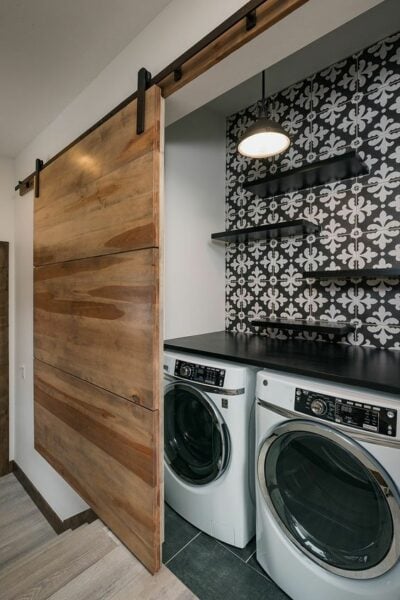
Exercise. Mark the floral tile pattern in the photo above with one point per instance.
(353, 104)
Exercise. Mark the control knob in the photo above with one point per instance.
(318, 407)
(185, 371)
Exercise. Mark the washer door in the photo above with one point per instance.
(196, 440)
(331, 498)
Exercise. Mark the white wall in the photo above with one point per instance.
(194, 208)
(7, 182)
(178, 27)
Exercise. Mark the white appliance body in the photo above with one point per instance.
(288, 554)
(209, 477)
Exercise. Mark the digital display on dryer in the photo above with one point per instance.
(357, 416)
(376, 419)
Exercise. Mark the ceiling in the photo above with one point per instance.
(51, 49)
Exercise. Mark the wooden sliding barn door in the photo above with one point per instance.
(97, 256)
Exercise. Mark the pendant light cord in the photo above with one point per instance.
(263, 101)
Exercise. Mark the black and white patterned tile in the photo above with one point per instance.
(353, 104)
(379, 64)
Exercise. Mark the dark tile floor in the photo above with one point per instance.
(211, 569)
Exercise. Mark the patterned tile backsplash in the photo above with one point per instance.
(352, 104)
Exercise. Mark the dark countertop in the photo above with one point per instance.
(352, 365)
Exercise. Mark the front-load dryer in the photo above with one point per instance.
(209, 444)
(327, 489)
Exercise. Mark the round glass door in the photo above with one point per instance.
(196, 443)
(332, 499)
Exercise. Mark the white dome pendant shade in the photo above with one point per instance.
(265, 137)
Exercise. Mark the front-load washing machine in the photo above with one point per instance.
(327, 489)
(209, 445)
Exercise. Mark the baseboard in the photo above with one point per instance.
(87, 516)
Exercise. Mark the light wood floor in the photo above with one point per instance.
(87, 563)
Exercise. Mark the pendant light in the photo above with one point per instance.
(266, 137)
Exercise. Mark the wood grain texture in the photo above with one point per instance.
(59, 562)
(86, 564)
(268, 14)
(97, 319)
(22, 526)
(112, 214)
(103, 579)
(4, 361)
(163, 586)
(112, 145)
(107, 448)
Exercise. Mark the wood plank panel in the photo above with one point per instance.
(4, 361)
(98, 319)
(105, 149)
(113, 214)
(107, 448)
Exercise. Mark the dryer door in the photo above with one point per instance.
(196, 439)
(331, 498)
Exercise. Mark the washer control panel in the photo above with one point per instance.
(200, 373)
(359, 415)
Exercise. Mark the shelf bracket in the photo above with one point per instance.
(38, 168)
(251, 20)
(144, 81)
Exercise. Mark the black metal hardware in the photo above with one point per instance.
(24, 185)
(38, 168)
(335, 328)
(178, 74)
(267, 232)
(383, 273)
(251, 20)
(344, 166)
(144, 80)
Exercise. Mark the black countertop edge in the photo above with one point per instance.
(359, 366)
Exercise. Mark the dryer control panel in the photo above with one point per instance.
(376, 419)
(200, 373)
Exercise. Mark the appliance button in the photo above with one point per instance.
(318, 407)
(390, 414)
(185, 371)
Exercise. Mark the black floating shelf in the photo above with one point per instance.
(299, 325)
(354, 274)
(266, 232)
(338, 168)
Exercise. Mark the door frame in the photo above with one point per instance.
(4, 364)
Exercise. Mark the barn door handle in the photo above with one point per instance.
(144, 81)
(38, 168)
